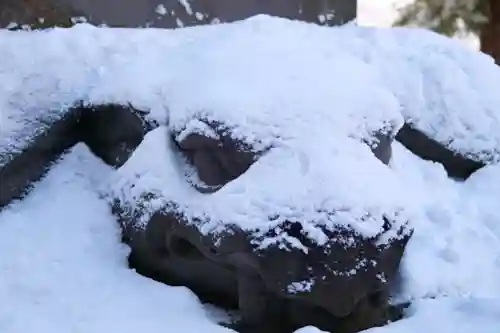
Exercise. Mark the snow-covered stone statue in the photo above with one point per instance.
(252, 161)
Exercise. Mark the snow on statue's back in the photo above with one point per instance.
(302, 111)
(277, 61)
(297, 86)
(446, 91)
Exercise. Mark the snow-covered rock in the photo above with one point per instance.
(333, 242)
(37, 139)
(314, 107)
(64, 268)
(448, 94)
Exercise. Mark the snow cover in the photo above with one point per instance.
(62, 264)
(447, 315)
(64, 268)
(188, 74)
(455, 249)
(452, 95)
(159, 69)
(361, 198)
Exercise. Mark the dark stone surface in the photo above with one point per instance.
(111, 131)
(162, 254)
(347, 278)
(456, 165)
(382, 149)
(381, 146)
(36, 13)
(30, 164)
(229, 271)
(134, 13)
(217, 161)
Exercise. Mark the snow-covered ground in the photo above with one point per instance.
(62, 266)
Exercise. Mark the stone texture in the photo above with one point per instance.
(490, 33)
(217, 161)
(36, 13)
(456, 165)
(111, 131)
(340, 287)
(30, 164)
(171, 13)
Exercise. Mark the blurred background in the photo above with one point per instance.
(379, 12)
(384, 13)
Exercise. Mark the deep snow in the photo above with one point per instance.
(62, 266)
(455, 249)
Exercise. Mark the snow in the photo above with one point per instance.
(452, 96)
(63, 268)
(156, 168)
(61, 261)
(300, 287)
(161, 10)
(455, 249)
(196, 126)
(309, 329)
(446, 315)
(179, 23)
(123, 65)
(199, 16)
(187, 6)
